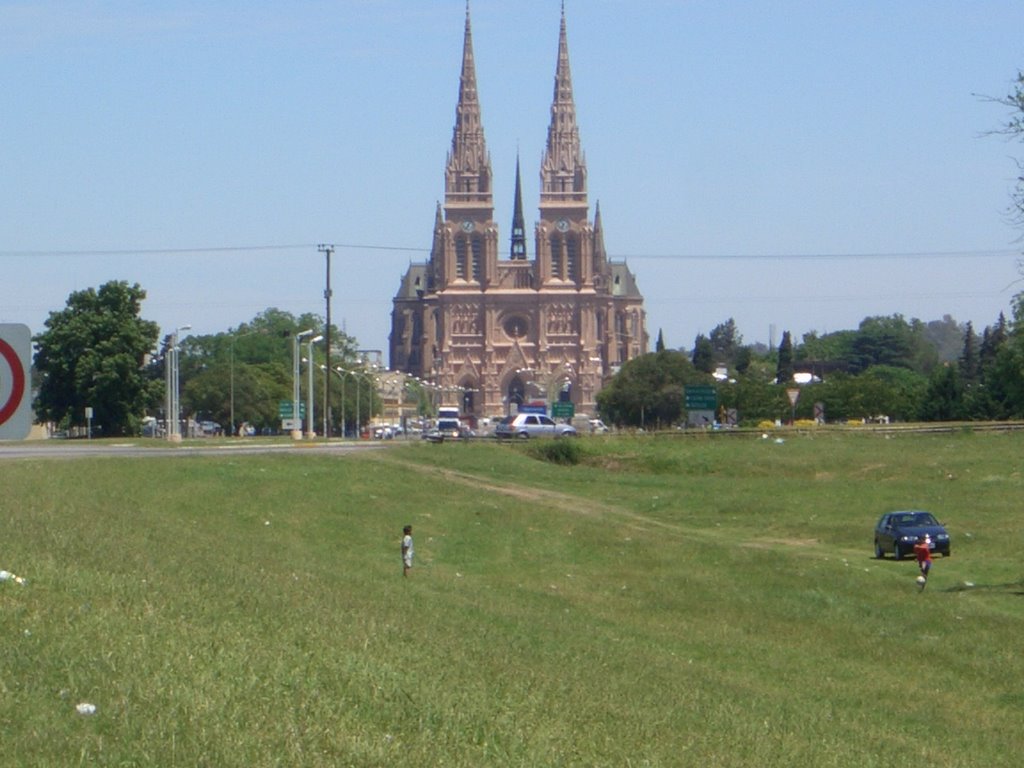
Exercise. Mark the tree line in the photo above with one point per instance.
(99, 353)
(903, 370)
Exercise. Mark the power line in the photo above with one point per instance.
(975, 254)
(980, 253)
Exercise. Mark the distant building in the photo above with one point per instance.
(491, 333)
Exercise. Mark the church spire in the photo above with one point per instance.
(518, 252)
(563, 170)
(468, 174)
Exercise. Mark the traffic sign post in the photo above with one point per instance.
(15, 381)
(794, 395)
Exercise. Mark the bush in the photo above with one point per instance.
(564, 450)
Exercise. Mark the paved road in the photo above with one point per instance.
(63, 449)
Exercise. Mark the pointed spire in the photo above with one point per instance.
(563, 171)
(468, 177)
(600, 254)
(518, 252)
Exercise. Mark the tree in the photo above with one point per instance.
(648, 390)
(944, 398)
(1013, 128)
(784, 369)
(970, 365)
(725, 341)
(92, 354)
(744, 355)
(703, 354)
(241, 375)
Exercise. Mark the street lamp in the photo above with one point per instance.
(173, 404)
(310, 429)
(341, 374)
(296, 411)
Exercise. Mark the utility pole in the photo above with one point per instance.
(327, 250)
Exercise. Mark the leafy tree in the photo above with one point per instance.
(835, 348)
(725, 341)
(754, 394)
(1006, 377)
(92, 354)
(744, 356)
(245, 372)
(891, 340)
(703, 354)
(946, 336)
(648, 390)
(943, 400)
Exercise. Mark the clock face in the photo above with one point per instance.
(562, 225)
(467, 226)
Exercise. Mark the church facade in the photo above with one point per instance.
(490, 329)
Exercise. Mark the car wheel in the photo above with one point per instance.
(897, 553)
(523, 435)
(879, 552)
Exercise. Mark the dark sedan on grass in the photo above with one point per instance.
(897, 532)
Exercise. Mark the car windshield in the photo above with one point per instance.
(915, 519)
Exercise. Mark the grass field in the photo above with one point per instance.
(665, 602)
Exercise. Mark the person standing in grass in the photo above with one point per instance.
(923, 551)
(407, 551)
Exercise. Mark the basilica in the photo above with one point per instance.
(490, 327)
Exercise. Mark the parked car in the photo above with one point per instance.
(525, 425)
(897, 532)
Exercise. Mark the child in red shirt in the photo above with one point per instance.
(923, 550)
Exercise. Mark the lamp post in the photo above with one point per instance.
(341, 374)
(296, 410)
(234, 338)
(310, 428)
(326, 408)
(173, 404)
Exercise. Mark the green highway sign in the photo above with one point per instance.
(700, 398)
(285, 408)
(560, 410)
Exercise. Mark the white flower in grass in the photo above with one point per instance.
(85, 708)
(5, 575)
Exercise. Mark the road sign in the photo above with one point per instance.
(794, 395)
(290, 425)
(285, 409)
(538, 408)
(700, 397)
(15, 381)
(560, 410)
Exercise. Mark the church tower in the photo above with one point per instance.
(563, 235)
(492, 334)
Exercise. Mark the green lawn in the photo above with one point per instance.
(666, 602)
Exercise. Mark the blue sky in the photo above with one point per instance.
(793, 165)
